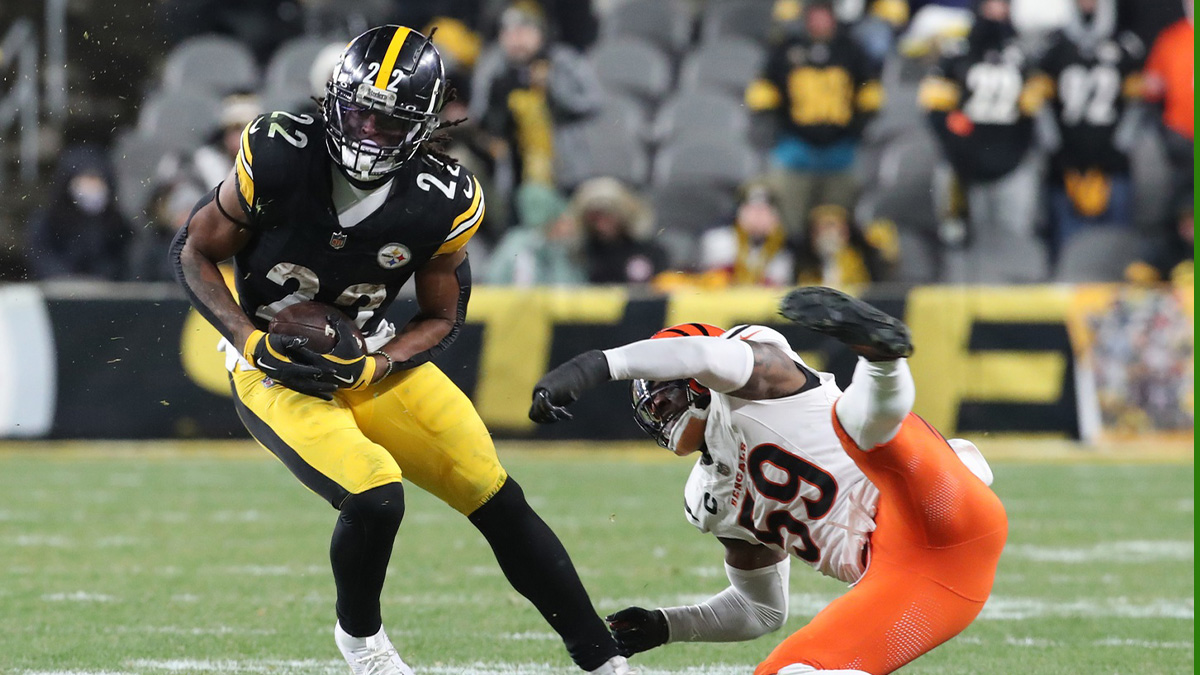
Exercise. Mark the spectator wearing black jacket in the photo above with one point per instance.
(80, 234)
(981, 99)
(616, 228)
(1093, 73)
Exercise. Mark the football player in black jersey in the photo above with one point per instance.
(344, 210)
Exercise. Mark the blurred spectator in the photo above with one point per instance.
(1094, 76)
(168, 209)
(544, 250)
(1171, 82)
(753, 250)
(821, 88)
(833, 252)
(81, 233)
(616, 226)
(530, 95)
(211, 162)
(872, 23)
(1172, 256)
(981, 101)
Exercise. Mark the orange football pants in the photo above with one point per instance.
(938, 536)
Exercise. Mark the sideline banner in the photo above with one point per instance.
(132, 361)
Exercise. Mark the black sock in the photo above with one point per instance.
(360, 550)
(538, 567)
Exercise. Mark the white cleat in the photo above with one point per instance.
(973, 458)
(617, 665)
(373, 655)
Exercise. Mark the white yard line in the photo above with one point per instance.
(1117, 551)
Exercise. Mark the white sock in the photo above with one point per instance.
(877, 401)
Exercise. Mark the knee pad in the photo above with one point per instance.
(381, 506)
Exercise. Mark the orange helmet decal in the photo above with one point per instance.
(689, 330)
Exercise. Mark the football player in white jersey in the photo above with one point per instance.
(853, 484)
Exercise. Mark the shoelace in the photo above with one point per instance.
(379, 662)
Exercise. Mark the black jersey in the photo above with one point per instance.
(1091, 91)
(823, 92)
(299, 250)
(985, 133)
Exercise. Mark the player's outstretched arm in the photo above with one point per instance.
(756, 603)
(443, 287)
(741, 368)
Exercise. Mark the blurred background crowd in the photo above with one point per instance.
(666, 143)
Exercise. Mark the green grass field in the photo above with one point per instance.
(153, 559)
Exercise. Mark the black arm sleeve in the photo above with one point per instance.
(175, 254)
(463, 274)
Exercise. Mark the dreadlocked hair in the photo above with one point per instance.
(436, 146)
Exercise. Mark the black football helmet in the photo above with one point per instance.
(382, 101)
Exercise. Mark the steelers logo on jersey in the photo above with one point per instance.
(393, 255)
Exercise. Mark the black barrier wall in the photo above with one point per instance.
(987, 360)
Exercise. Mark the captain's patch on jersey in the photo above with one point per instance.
(393, 255)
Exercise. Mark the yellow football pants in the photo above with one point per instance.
(417, 424)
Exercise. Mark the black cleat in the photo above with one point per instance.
(869, 332)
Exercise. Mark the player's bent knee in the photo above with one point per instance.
(378, 507)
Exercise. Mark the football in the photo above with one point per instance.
(312, 320)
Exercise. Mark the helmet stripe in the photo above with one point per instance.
(389, 59)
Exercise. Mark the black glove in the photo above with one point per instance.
(347, 365)
(638, 630)
(273, 354)
(563, 385)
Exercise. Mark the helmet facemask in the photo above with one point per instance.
(376, 124)
(660, 407)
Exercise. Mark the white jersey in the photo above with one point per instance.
(776, 474)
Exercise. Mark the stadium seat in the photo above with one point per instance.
(1098, 254)
(1151, 171)
(210, 62)
(181, 120)
(998, 258)
(291, 65)
(725, 162)
(901, 184)
(665, 23)
(692, 207)
(701, 114)
(135, 158)
(634, 67)
(750, 19)
(727, 66)
(918, 259)
(612, 151)
(628, 110)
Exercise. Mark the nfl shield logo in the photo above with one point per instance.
(338, 240)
